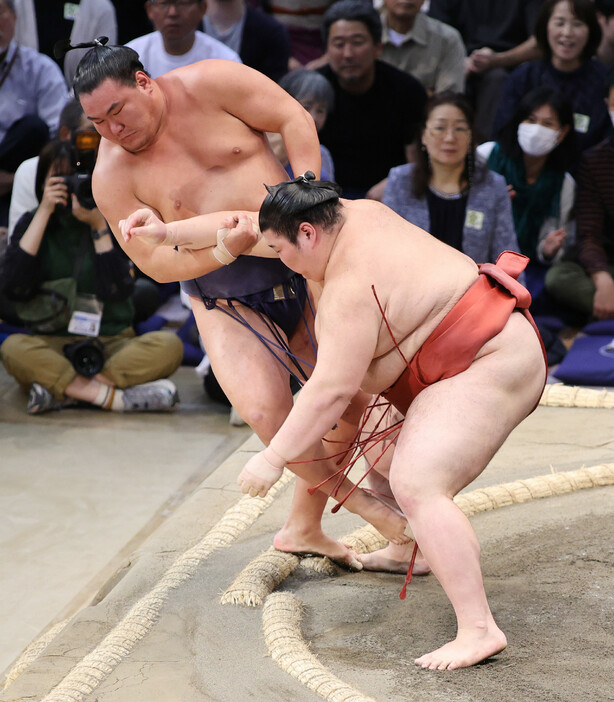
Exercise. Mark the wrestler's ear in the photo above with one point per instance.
(142, 80)
(307, 235)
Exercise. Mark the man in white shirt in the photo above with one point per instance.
(177, 41)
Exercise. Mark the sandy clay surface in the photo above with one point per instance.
(551, 589)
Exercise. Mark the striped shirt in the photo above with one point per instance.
(595, 207)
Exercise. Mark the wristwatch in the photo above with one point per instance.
(99, 233)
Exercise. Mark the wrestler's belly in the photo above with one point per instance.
(517, 341)
(385, 369)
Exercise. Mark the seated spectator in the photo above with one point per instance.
(32, 94)
(79, 133)
(378, 108)
(177, 40)
(485, 58)
(568, 34)
(132, 20)
(446, 193)
(316, 95)
(585, 282)
(62, 239)
(260, 40)
(40, 24)
(23, 198)
(433, 52)
(534, 151)
(497, 37)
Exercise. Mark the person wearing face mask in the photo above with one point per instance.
(568, 34)
(533, 153)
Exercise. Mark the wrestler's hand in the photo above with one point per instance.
(258, 476)
(243, 234)
(144, 224)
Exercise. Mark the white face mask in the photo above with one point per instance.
(537, 140)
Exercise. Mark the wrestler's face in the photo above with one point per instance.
(447, 136)
(292, 255)
(123, 114)
(351, 55)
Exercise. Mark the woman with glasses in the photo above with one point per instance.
(446, 193)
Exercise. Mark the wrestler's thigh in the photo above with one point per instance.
(256, 384)
(454, 427)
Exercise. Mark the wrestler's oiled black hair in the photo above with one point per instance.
(303, 199)
(119, 63)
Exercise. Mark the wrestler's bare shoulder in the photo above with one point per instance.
(209, 83)
(113, 167)
(372, 232)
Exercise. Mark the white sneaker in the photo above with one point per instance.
(235, 419)
(157, 396)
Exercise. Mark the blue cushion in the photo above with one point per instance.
(588, 362)
(601, 327)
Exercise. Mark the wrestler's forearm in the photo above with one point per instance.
(200, 232)
(303, 146)
(165, 265)
(314, 414)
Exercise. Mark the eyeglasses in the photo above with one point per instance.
(165, 4)
(439, 131)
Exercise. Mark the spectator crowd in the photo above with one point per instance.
(486, 123)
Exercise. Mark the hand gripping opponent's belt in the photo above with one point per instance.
(479, 315)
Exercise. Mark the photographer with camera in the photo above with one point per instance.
(73, 289)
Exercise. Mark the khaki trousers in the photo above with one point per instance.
(129, 359)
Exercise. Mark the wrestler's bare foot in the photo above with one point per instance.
(390, 524)
(315, 542)
(395, 559)
(468, 648)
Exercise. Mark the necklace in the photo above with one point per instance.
(447, 196)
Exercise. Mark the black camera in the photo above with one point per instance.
(83, 151)
(81, 185)
(86, 356)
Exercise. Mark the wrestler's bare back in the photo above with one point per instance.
(414, 303)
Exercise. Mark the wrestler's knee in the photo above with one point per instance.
(265, 421)
(411, 493)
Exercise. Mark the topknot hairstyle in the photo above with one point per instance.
(303, 199)
(119, 63)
